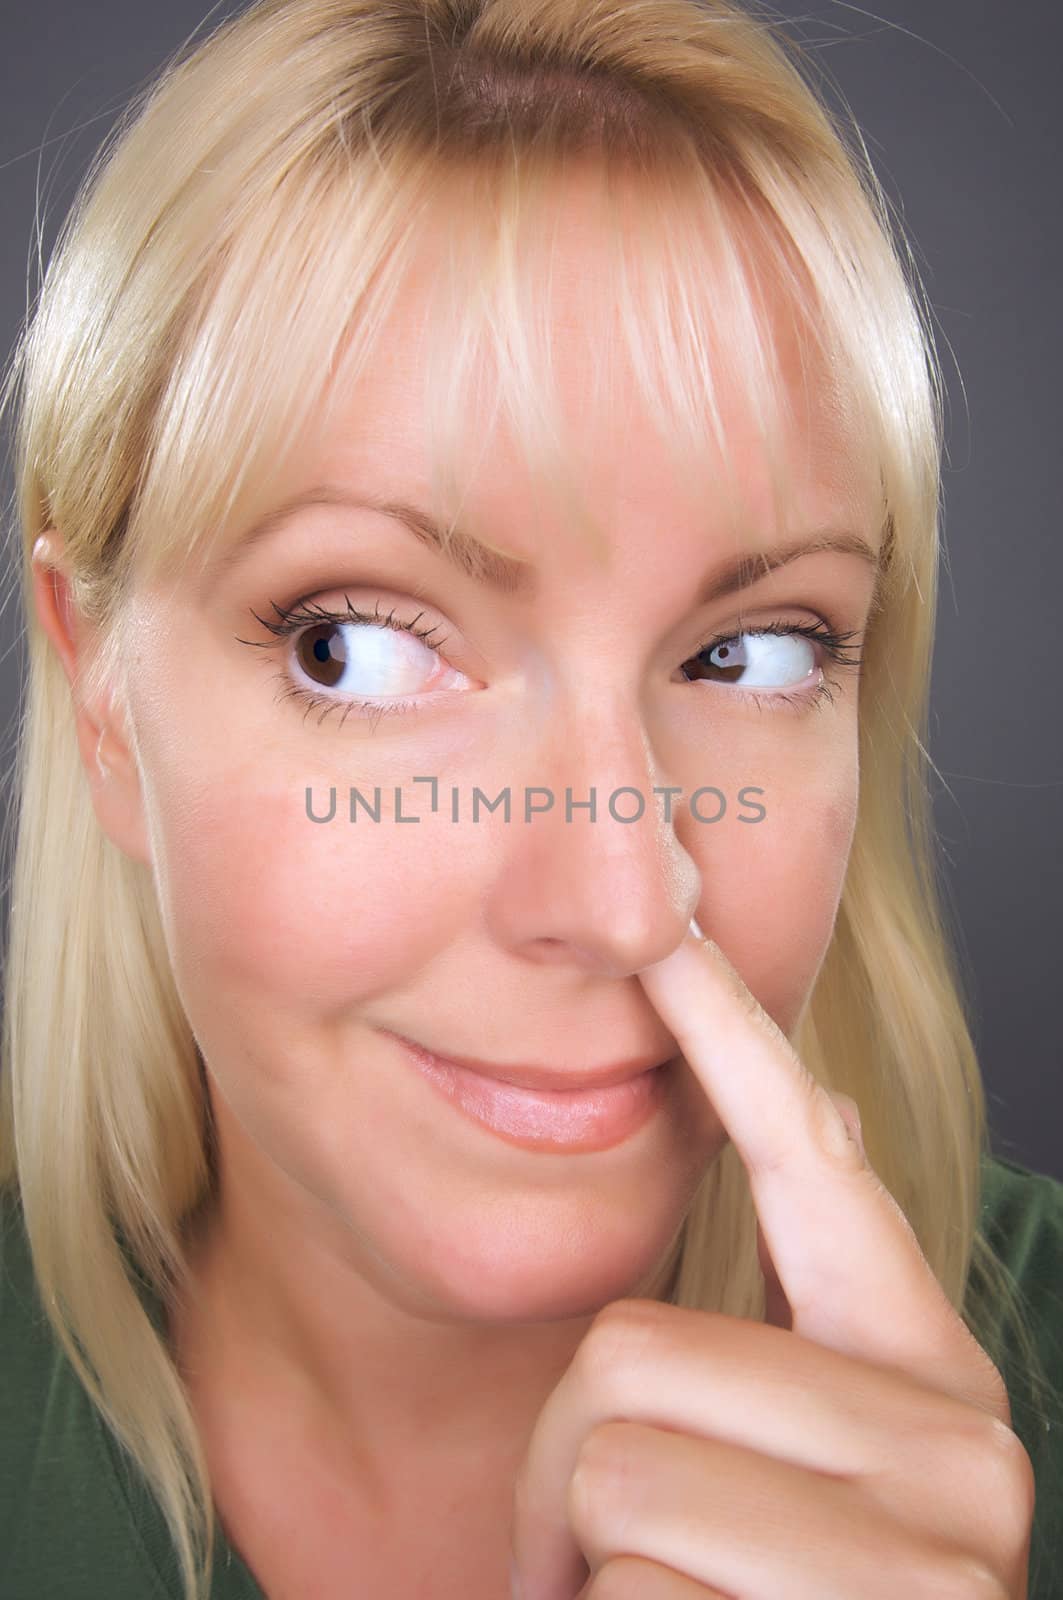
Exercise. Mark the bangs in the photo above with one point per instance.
(722, 308)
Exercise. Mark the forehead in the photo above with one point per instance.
(478, 334)
(375, 433)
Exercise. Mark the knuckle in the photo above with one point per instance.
(616, 1342)
(1010, 1486)
(830, 1132)
(993, 1476)
(601, 1477)
(954, 1575)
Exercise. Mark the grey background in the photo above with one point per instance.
(958, 101)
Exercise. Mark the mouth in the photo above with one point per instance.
(577, 1111)
(546, 1079)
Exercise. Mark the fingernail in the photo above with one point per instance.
(679, 954)
(515, 1590)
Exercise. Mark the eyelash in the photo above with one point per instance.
(305, 614)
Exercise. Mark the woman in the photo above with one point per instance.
(406, 1181)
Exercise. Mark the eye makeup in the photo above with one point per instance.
(296, 621)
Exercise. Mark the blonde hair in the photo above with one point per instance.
(220, 280)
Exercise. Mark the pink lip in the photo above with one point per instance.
(569, 1118)
(547, 1079)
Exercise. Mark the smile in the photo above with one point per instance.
(564, 1119)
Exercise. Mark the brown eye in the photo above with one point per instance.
(782, 659)
(320, 654)
(369, 657)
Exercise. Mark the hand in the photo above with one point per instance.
(855, 1446)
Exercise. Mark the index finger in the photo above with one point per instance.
(845, 1253)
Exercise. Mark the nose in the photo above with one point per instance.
(598, 875)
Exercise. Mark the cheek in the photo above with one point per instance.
(268, 912)
(271, 917)
(772, 888)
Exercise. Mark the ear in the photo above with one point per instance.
(104, 742)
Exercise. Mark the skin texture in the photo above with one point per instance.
(366, 1228)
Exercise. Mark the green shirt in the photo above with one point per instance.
(76, 1520)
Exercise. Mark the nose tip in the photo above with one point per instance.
(608, 886)
(615, 950)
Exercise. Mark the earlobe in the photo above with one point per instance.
(114, 780)
(117, 800)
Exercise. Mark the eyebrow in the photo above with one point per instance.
(508, 575)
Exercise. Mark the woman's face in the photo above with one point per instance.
(301, 948)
